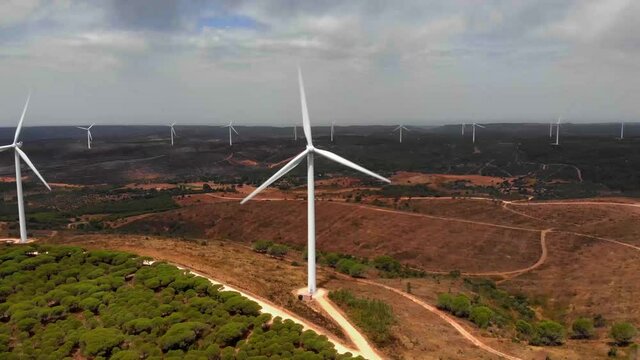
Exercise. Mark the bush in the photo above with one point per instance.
(357, 270)
(332, 259)
(262, 246)
(229, 334)
(548, 333)
(582, 328)
(387, 263)
(444, 301)
(460, 306)
(100, 341)
(351, 267)
(623, 333)
(278, 250)
(373, 316)
(524, 328)
(481, 316)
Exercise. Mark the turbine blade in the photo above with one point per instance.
(306, 124)
(347, 163)
(234, 129)
(397, 128)
(173, 132)
(172, 125)
(90, 126)
(90, 137)
(480, 126)
(19, 128)
(405, 128)
(285, 169)
(5, 147)
(82, 128)
(33, 168)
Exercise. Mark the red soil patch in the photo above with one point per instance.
(404, 177)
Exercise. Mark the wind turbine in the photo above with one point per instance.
(309, 153)
(473, 127)
(550, 130)
(400, 127)
(463, 125)
(333, 123)
(557, 132)
(18, 153)
(89, 137)
(230, 126)
(173, 132)
(622, 131)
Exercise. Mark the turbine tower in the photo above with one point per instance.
(173, 132)
(550, 130)
(89, 137)
(622, 131)
(333, 123)
(309, 153)
(463, 125)
(473, 127)
(557, 132)
(295, 132)
(18, 153)
(230, 126)
(400, 127)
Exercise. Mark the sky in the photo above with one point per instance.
(417, 62)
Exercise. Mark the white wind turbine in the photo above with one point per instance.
(309, 153)
(550, 130)
(400, 127)
(173, 132)
(622, 131)
(18, 153)
(473, 127)
(230, 126)
(557, 132)
(463, 126)
(333, 123)
(89, 137)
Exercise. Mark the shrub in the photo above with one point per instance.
(582, 328)
(100, 341)
(262, 246)
(387, 263)
(277, 250)
(524, 328)
(623, 333)
(548, 333)
(332, 259)
(92, 304)
(460, 306)
(444, 301)
(357, 270)
(481, 316)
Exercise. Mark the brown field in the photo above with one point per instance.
(429, 243)
(404, 178)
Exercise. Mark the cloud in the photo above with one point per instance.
(413, 60)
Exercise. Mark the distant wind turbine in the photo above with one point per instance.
(622, 131)
(473, 127)
(230, 126)
(295, 132)
(18, 153)
(463, 125)
(333, 123)
(173, 132)
(89, 137)
(557, 132)
(400, 127)
(550, 130)
(309, 153)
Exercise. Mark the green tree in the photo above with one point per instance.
(548, 333)
(481, 316)
(278, 250)
(623, 333)
(582, 328)
(460, 306)
(445, 301)
(262, 246)
(100, 341)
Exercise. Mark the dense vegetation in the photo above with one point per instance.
(374, 317)
(63, 302)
